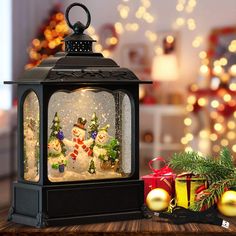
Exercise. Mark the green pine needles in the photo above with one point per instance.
(219, 172)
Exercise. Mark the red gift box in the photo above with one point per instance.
(160, 178)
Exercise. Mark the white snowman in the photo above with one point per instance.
(30, 144)
(81, 155)
(99, 149)
(56, 160)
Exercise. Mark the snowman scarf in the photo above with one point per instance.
(80, 143)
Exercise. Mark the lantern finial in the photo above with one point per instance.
(78, 42)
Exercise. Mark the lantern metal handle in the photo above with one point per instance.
(78, 27)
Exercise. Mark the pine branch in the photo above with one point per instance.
(226, 158)
(211, 195)
(211, 168)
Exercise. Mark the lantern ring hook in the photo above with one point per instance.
(78, 27)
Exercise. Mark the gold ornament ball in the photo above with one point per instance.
(227, 203)
(158, 199)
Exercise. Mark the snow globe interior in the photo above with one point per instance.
(89, 135)
(31, 137)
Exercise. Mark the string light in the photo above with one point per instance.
(187, 121)
(202, 55)
(197, 41)
(151, 35)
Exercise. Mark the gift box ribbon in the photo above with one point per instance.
(166, 170)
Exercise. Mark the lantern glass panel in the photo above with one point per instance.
(89, 135)
(31, 137)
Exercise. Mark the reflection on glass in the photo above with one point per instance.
(31, 137)
(89, 135)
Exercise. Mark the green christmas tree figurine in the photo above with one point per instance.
(56, 132)
(92, 168)
(93, 127)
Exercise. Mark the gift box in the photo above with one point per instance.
(159, 178)
(186, 188)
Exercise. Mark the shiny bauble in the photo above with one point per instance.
(227, 203)
(158, 199)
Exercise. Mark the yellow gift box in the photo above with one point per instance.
(186, 186)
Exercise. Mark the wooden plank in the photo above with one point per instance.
(154, 226)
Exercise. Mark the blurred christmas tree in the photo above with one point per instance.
(48, 40)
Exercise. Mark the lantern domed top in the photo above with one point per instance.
(78, 42)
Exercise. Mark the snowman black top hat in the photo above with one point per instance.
(81, 123)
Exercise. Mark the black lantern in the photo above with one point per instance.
(78, 139)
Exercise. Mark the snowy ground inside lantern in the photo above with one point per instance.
(73, 176)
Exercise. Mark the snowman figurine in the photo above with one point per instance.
(30, 144)
(100, 148)
(56, 160)
(81, 155)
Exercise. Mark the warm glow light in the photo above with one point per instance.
(184, 141)
(233, 70)
(124, 11)
(218, 127)
(191, 99)
(216, 148)
(119, 28)
(213, 114)
(194, 87)
(227, 97)
(224, 142)
(180, 21)
(188, 149)
(165, 68)
(179, 7)
(189, 136)
(151, 35)
(191, 24)
(158, 50)
(215, 103)
(187, 121)
(232, 46)
(146, 3)
(231, 124)
(202, 54)
(223, 61)
(189, 107)
(201, 102)
(197, 41)
(91, 30)
(170, 39)
(106, 53)
(218, 70)
(232, 86)
(98, 47)
(213, 137)
(204, 134)
(231, 135)
(234, 148)
(204, 69)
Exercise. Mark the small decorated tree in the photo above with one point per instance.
(56, 132)
(93, 127)
(92, 168)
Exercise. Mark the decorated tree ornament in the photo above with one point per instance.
(92, 168)
(227, 203)
(158, 199)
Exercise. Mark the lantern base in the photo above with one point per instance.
(57, 205)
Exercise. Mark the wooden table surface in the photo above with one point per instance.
(154, 226)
